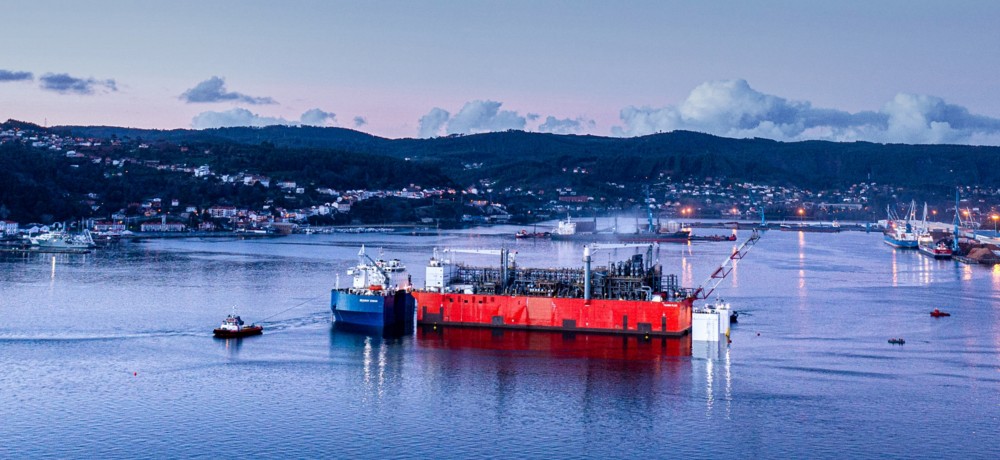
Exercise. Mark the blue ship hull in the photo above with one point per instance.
(903, 244)
(391, 312)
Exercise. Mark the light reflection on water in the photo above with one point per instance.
(809, 357)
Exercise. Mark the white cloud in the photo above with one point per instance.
(732, 108)
(566, 125)
(431, 124)
(66, 84)
(317, 117)
(475, 117)
(243, 117)
(16, 75)
(483, 117)
(214, 90)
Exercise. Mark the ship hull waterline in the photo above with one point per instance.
(899, 244)
(390, 311)
(597, 316)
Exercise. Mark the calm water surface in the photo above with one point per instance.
(110, 355)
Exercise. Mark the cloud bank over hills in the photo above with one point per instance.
(483, 116)
(728, 108)
(731, 108)
(242, 117)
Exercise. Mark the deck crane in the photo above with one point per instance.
(708, 287)
(383, 276)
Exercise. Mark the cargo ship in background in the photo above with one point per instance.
(669, 232)
(900, 233)
(833, 227)
(630, 297)
(373, 301)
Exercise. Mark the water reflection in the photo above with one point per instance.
(232, 346)
(596, 376)
(379, 354)
(711, 368)
(894, 267)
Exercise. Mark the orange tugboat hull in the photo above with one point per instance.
(243, 332)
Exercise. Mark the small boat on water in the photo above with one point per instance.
(939, 314)
(234, 327)
(897, 341)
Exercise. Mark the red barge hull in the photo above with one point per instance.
(605, 316)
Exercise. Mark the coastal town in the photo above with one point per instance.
(483, 203)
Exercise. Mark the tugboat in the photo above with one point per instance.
(233, 327)
(939, 314)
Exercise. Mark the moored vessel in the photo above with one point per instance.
(811, 228)
(939, 250)
(631, 297)
(926, 243)
(524, 234)
(901, 236)
(900, 232)
(372, 301)
(59, 241)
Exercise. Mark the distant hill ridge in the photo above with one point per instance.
(534, 159)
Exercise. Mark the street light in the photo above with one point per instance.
(802, 214)
(994, 217)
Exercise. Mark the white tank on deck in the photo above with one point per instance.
(710, 323)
